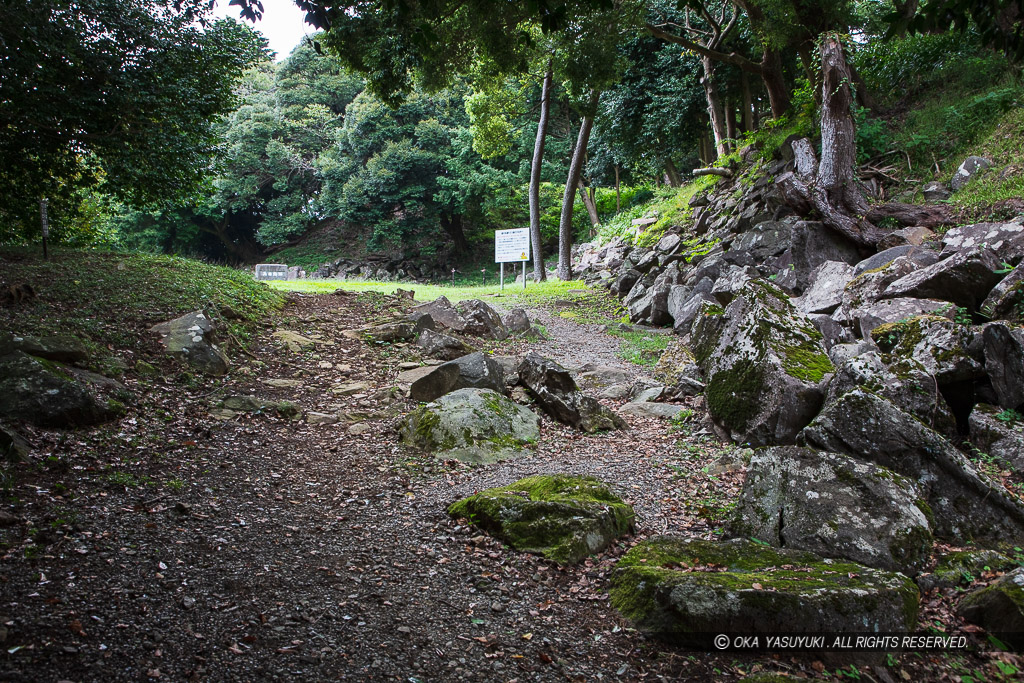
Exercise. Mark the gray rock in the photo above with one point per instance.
(556, 392)
(60, 348)
(732, 281)
(476, 370)
(472, 425)
(44, 394)
(647, 394)
(998, 608)
(482, 320)
(936, 191)
(765, 240)
(649, 304)
(442, 346)
(832, 333)
(625, 282)
(961, 567)
(442, 312)
(763, 364)
(244, 404)
(685, 315)
(509, 368)
(913, 236)
(936, 345)
(966, 506)
(813, 244)
(841, 353)
(966, 278)
(912, 390)
(868, 287)
(1005, 240)
(967, 171)
(999, 434)
(655, 586)
(865, 319)
(919, 256)
(663, 411)
(191, 338)
(825, 289)
(13, 446)
(1006, 297)
(669, 244)
(835, 506)
(1004, 363)
(516, 320)
(593, 376)
(561, 517)
(389, 333)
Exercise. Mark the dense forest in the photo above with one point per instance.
(416, 129)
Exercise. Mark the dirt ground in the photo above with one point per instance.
(178, 545)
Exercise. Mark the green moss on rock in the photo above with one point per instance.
(561, 517)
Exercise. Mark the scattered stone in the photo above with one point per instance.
(1004, 301)
(914, 236)
(477, 370)
(593, 376)
(835, 506)
(13, 446)
(867, 318)
(664, 411)
(315, 418)
(482, 320)
(936, 191)
(825, 292)
(753, 587)
(472, 425)
(998, 608)
(968, 170)
(443, 313)
(294, 341)
(359, 428)
(516, 320)
(408, 365)
(556, 392)
(282, 383)
(389, 333)
(191, 338)
(350, 389)
(965, 505)
(966, 278)
(442, 346)
(919, 256)
(564, 518)
(60, 348)
(243, 404)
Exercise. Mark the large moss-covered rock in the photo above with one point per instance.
(472, 425)
(47, 395)
(999, 608)
(934, 344)
(963, 567)
(966, 505)
(763, 363)
(59, 348)
(833, 505)
(679, 590)
(561, 517)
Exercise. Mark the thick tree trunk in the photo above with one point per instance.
(715, 114)
(748, 104)
(830, 188)
(774, 82)
(452, 225)
(575, 171)
(539, 271)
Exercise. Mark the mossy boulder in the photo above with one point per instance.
(998, 608)
(763, 363)
(912, 389)
(47, 394)
(682, 590)
(59, 348)
(929, 343)
(966, 505)
(192, 338)
(472, 425)
(835, 506)
(963, 567)
(564, 518)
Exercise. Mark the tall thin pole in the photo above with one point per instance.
(45, 221)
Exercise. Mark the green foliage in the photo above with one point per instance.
(640, 347)
(123, 93)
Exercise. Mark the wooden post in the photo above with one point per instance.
(45, 221)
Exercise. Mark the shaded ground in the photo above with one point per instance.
(177, 546)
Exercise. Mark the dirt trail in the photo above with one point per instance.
(298, 551)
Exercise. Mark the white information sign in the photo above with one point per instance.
(511, 245)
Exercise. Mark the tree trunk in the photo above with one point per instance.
(453, 226)
(674, 179)
(714, 106)
(830, 187)
(588, 203)
(774, 82)
(575, 171)
(618, 192)
(747, 120)
(539, 271)
(730, 120)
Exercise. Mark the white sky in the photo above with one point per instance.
(282, 23)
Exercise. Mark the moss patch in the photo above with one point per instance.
(561, 517)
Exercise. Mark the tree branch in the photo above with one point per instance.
(727, 57)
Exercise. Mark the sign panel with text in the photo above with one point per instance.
(512, 245)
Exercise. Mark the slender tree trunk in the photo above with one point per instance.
(774, 82)
(618, 192)
(714, 105)
(575, 171)
(591, 207)
(539, 271)
(730, 120)
(748, 104)
(674, 179)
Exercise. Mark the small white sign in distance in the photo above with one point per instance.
(511, 245)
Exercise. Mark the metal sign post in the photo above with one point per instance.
(511, 246)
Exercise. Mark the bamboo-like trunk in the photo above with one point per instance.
(539, 271)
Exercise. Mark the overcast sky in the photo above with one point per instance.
(282, 24)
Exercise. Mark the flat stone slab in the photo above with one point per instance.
(665, 411)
